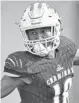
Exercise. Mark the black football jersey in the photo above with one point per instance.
(51, 78)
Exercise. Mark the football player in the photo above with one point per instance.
(43, 73)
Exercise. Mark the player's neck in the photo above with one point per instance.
(52, 54)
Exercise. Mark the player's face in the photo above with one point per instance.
(39, 33)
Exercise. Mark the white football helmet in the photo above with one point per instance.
(40, 15)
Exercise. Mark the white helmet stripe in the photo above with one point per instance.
(36, 11)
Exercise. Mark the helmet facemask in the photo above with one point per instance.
(41, 41)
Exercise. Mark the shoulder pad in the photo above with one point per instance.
(43, 65)
(15, 63)
(67, 45)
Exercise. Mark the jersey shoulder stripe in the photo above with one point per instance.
(15, 63)
(11, 74)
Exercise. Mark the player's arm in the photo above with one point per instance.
(12, 76)
(76, 59)
(9, 83)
